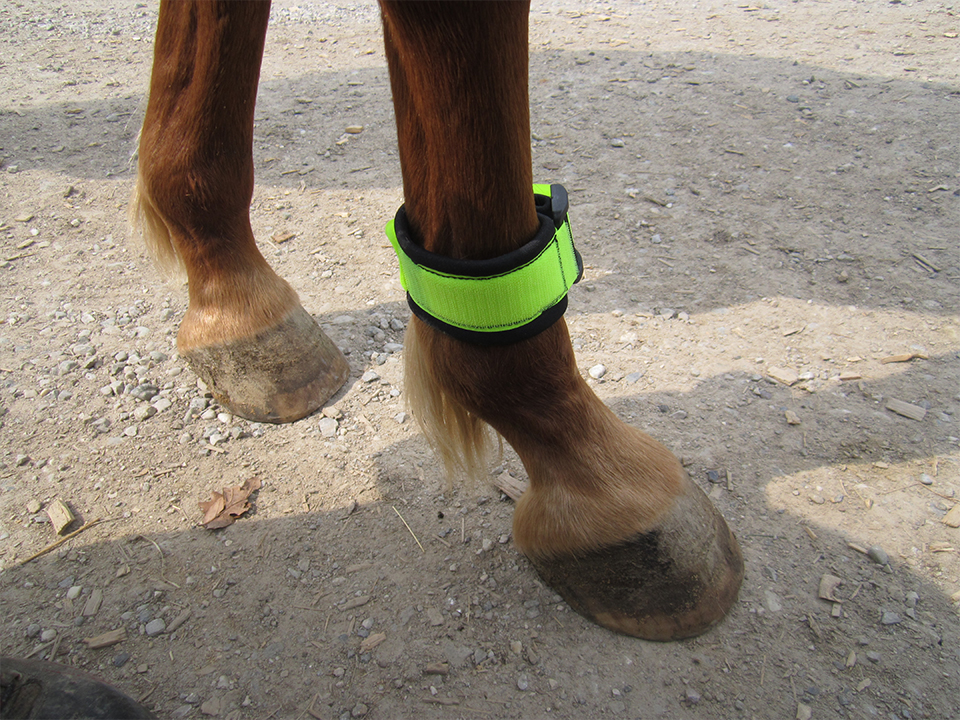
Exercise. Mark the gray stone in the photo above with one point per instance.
(155, 627)
(145, 391)
(890, 618)
(328, 427)
(144, 412)
(597, 371)
(878, 555)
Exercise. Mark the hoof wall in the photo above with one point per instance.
(673, 582)
(39, 689)
(280, 375)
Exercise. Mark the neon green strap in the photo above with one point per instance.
(502, 295)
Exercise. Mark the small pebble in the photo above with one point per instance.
(74, 592)
(328, 427)
(144, 412)
(890, 618)
(523, 682)
(155, 627)
(369, 376)
(926, 479)
(48, 635)
(33, 506)
(597, 371)
(878, 555)
(33, 629)
(912, 599)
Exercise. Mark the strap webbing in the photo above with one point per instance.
(496, 301)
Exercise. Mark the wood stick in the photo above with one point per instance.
(408, 528)
(61, 541)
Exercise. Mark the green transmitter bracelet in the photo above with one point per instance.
(497, 301)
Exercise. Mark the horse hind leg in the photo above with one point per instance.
(610, 520)
(245, 333)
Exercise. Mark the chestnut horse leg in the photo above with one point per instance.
(610, 520)
(245, 332)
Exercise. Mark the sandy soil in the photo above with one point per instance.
(766, 197)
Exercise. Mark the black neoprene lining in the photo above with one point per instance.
(472, 268)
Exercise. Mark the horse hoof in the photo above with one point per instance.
(279, 375)
(672, 582)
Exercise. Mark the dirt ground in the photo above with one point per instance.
(767, 198)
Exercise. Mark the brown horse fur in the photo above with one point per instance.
(195, 179)
(593, 480)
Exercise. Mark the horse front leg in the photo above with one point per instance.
(610, 520)
(245, 333)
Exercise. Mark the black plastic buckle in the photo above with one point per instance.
(555, 206)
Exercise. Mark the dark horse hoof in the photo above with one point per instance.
(49, 691)
(673, 582)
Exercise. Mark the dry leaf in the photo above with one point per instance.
(223, 509)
